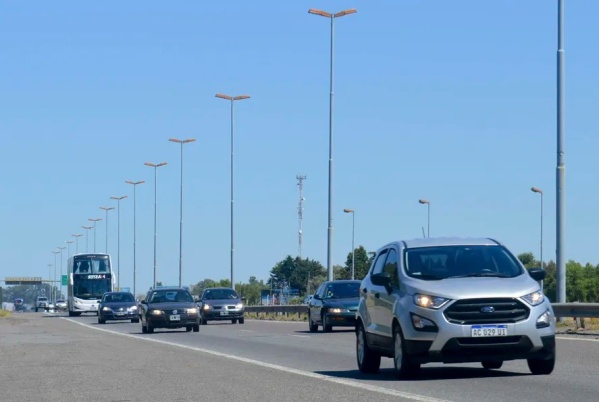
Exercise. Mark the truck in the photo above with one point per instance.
(41, 303)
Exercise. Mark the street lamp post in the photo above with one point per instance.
(76, 236)
(49, 280)
(332, 17)
(560, 172)
(155, 166)
(54, 287)
(106, 209)
(134, 183)
(353, 230)
(87, 228)
(94, 220)
(60, 291)
(118, 237)
(69, 242)
(232, 99)
(428, 205)
(539, 191)
(182, 142)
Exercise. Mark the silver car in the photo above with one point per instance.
(452, 300)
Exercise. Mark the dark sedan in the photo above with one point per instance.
(169, 307)
(221, 304)
(117, 306)
(334, 305)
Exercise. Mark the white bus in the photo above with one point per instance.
(89, 277)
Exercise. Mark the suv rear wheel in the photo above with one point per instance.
(368, 360)
(404, 366)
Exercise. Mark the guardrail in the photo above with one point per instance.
(561, 310)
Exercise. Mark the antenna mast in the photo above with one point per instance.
(300, 210)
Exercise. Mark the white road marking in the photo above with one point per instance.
(300, 336)
(576, 339)
(340, 381)
(246, 330)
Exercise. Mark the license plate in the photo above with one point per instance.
(120, 313)
(175, 317)
(478, 331)
(224, 313)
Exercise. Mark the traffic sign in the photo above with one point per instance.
(65, 280)
(23, 280)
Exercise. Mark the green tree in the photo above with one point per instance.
(362, 264)
(298, 273)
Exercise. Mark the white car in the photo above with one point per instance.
(61, 304)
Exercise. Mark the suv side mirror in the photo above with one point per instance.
(316, 297)
(243, 299)
(538, 274)
(381, 279)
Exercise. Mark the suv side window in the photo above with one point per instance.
(391, 267)
(378, 265)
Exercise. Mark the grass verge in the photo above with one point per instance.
(5, 313)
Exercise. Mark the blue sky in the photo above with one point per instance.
(449, 101)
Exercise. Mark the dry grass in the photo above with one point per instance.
(5, 313)
(571, 324)
(277, 316)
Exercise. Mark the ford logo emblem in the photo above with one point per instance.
(174, 311)
(488, 309)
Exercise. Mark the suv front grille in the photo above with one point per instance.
(499, 311)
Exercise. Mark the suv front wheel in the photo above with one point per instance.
(403, 365)
(368, 360)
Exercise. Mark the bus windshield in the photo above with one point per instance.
(91, 264)
(88, 288)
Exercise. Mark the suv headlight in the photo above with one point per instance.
(534, 298)
(426, 301)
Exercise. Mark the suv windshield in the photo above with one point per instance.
(433, 263)
(219, 294)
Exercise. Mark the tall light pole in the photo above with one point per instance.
(76, 236)
(49, 280)
(428, 206)
(232, 99)
(106, 209)
(118, 236)
(332, 17)
(561, 164)
(69, 242)
(155, 166)
(94, 220)
(87, 228)
(539, 191)
(60, 248)
(54, 287)
(182, 142)
(134, 183)
(353, 230)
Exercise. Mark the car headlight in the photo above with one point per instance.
(192, 310)
(206, 307)
(239, 306)
(132, 308)
(426, 301)
(105, 308)
(338, 310)
(156, 312)
(534, 298)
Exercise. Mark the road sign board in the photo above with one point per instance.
(18, 280)
(65, 280)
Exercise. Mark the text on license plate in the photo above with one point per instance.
(488, 330)
(176, 317)
(224, 313)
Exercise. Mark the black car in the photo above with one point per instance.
(334, 304)
(221, 304)
(169, 307)
(117, 306)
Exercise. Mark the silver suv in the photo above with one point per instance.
(452, 300)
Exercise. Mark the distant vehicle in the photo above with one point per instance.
(19, 304)
(453, 300)
(334, 305)
(117, 306)
(221, 304)
(169, 307)
(41, 303)
(89, 277)
(61, 305)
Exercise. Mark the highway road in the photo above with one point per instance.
(261, 361)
